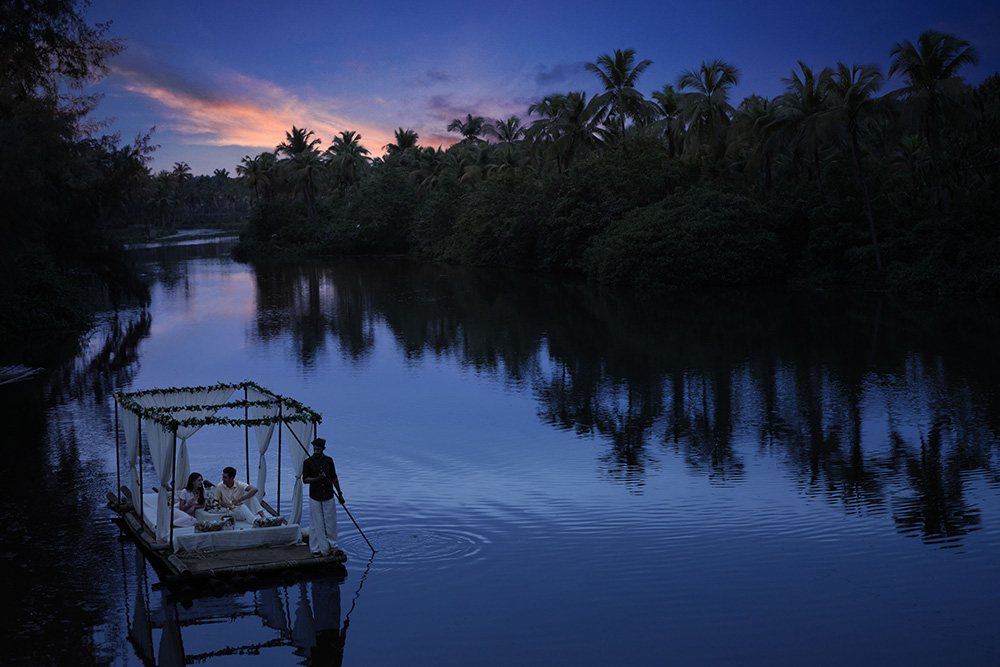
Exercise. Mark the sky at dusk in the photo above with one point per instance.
(220, 79)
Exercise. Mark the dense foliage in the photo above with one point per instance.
(831, 183)
(59, 182)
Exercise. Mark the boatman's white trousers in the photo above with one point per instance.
(323, 526)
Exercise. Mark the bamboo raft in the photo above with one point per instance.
(217, 569)
(169, 417)
(191, 567)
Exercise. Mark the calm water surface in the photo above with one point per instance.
(552, 474)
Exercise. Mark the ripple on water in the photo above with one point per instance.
(416, 545)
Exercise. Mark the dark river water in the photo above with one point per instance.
(551, 474)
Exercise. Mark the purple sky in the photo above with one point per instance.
(222, 79)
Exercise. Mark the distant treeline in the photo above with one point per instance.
(834, 182)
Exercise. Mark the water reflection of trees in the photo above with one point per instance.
(56, 535)
(872, 404)
(170, 262)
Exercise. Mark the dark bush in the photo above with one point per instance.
(696, 236)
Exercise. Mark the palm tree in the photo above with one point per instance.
(668, 105)
(303, 163)
(706, 109)
(506, 131)
(267, 169)
(181, 172)
(405, 139)
(298, 141)
(853, 91)
(801, 114)
(428, 167)
(348, 158)
(570, 127)
(930, 70)
(618, 75)
(470, 128)
(753, 127)
(247, 170)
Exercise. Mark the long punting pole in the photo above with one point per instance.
(280, 422)
(118, 458)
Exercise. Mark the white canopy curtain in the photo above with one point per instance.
(131, 424)
(262, 431)
(161, 441)
(300, 432)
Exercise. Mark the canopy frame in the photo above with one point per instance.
(174, 417)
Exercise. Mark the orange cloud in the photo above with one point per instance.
(257, 117)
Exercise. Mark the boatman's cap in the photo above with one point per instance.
(319, 442)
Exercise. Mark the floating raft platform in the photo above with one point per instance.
(220, 569)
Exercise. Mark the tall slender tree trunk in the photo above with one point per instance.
(819, 171)
(768, 178)
(860, 180)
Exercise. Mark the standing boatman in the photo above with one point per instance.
(320, 474)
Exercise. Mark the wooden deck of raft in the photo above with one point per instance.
(191, 566)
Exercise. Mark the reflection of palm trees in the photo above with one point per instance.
(935, 508)
(715, 378)
(704, 434)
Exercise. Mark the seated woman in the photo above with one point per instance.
(189, 499)
(192, 496)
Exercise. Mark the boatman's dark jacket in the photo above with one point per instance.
(321, 489)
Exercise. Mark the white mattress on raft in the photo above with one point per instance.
(242, 536)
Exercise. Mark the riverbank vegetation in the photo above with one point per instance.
(835, 182)
(61, 181)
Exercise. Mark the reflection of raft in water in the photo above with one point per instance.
(303, 618)
(169, 418)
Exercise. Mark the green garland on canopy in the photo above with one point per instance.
(163, 415)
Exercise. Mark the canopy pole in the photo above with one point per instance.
(280, 422)
(118, 458)
(246, 434)
(173, 486)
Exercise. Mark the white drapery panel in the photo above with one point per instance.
(161, 449)
(263, 432)
(161, 441)
(133, 440)
(299, 432)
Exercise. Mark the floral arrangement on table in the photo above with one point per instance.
(269, 522)
(209, 526)
(211, 504)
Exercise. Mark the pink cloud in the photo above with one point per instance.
(257, 116)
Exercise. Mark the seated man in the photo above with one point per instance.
(234, 495)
